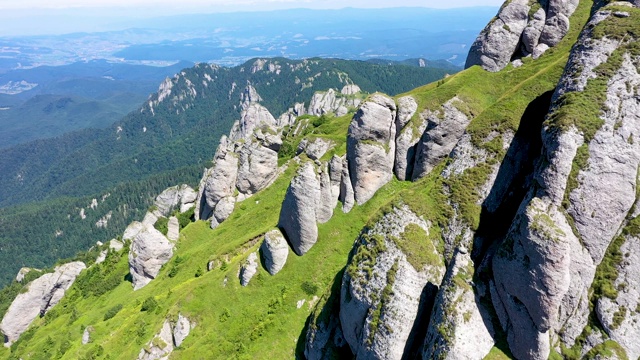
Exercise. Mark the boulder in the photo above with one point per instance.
(86, 335)
(221, 180)
(149, 251)
(181, 330)
(317, 147)
(224, 209)
(173, 229)
(248, 269)
(324, 208)
(298, 214)
(371, 146)
(351, 89)
(41, 295)
(23, 272)
(274, 251)
(531, 34)
(335, 177)
(116, 245)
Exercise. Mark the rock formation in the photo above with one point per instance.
(248, 269)
(180, 197)
(520, 28)
(41, 295)
(298, 214)
(371, 146)
(274, 251)
(149, 251)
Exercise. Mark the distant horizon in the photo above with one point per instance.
(18, 22)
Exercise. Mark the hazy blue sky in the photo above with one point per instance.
(240, 4)
(36, 17)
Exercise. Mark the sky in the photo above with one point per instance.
(229, 5)
(37, 17)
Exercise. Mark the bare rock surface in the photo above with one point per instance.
(346, 188)
(460, 326)
(175, 197)
(445, 127)
(173, 229)
(181, 330)
(41, 295)
(371, 146)
(160, 347)
(380, 326)
(149, 251)
(298, 214)
(275, 251)
(258, 164)
(249, 269)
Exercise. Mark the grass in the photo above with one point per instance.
(417, 245)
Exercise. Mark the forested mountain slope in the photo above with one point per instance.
(168, 140)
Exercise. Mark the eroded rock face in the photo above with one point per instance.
(149, 251)
(298, 214)
(460, 326)
(346, 188)
(275, 251)
(385, 290)
(43, 293)
(175, 197)
(258, 165)
(445, 128)
(324, 209)
(132, 230)
(516, 31)
(249, 269)
(221, 180)
(407, 138)
(371, 146)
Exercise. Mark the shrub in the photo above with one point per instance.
(149, 304)
(112, 312)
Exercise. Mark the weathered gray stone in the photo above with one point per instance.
(258, 167)
(173, 229)
(132, 230)
(346, 188)
(444, 129)
(298, 214)
(350, 89)
(149, 251)
(224, 209)
(499, 41)
(460, 326)
(116, 245)
(42, 294)
(86, 335)
(407, 137)
(222, 178)
(364, 282)
(160, 347)
(317, 147)
(24, 271)
(324, 209)
(371, 146)
(248, 269)
(174, 197)
(335, 176)
(531, 34)
(275, 251)
(181, 330)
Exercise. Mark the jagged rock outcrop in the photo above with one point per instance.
(221, 178)
(41, 295)
(407, 137)
(86, 335)
(258, 164)
(520, 28)
(315, 148)
(324, 209)
(460, 326)
(371, 146)
(132, 230)
(149, 251)
(275, 251)
(385, 290)
(298, 215)
(23, 272)
(330, 102)
(249, 269)
(116, 245)
(181, 197)
(587, 189)
(444, 129)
